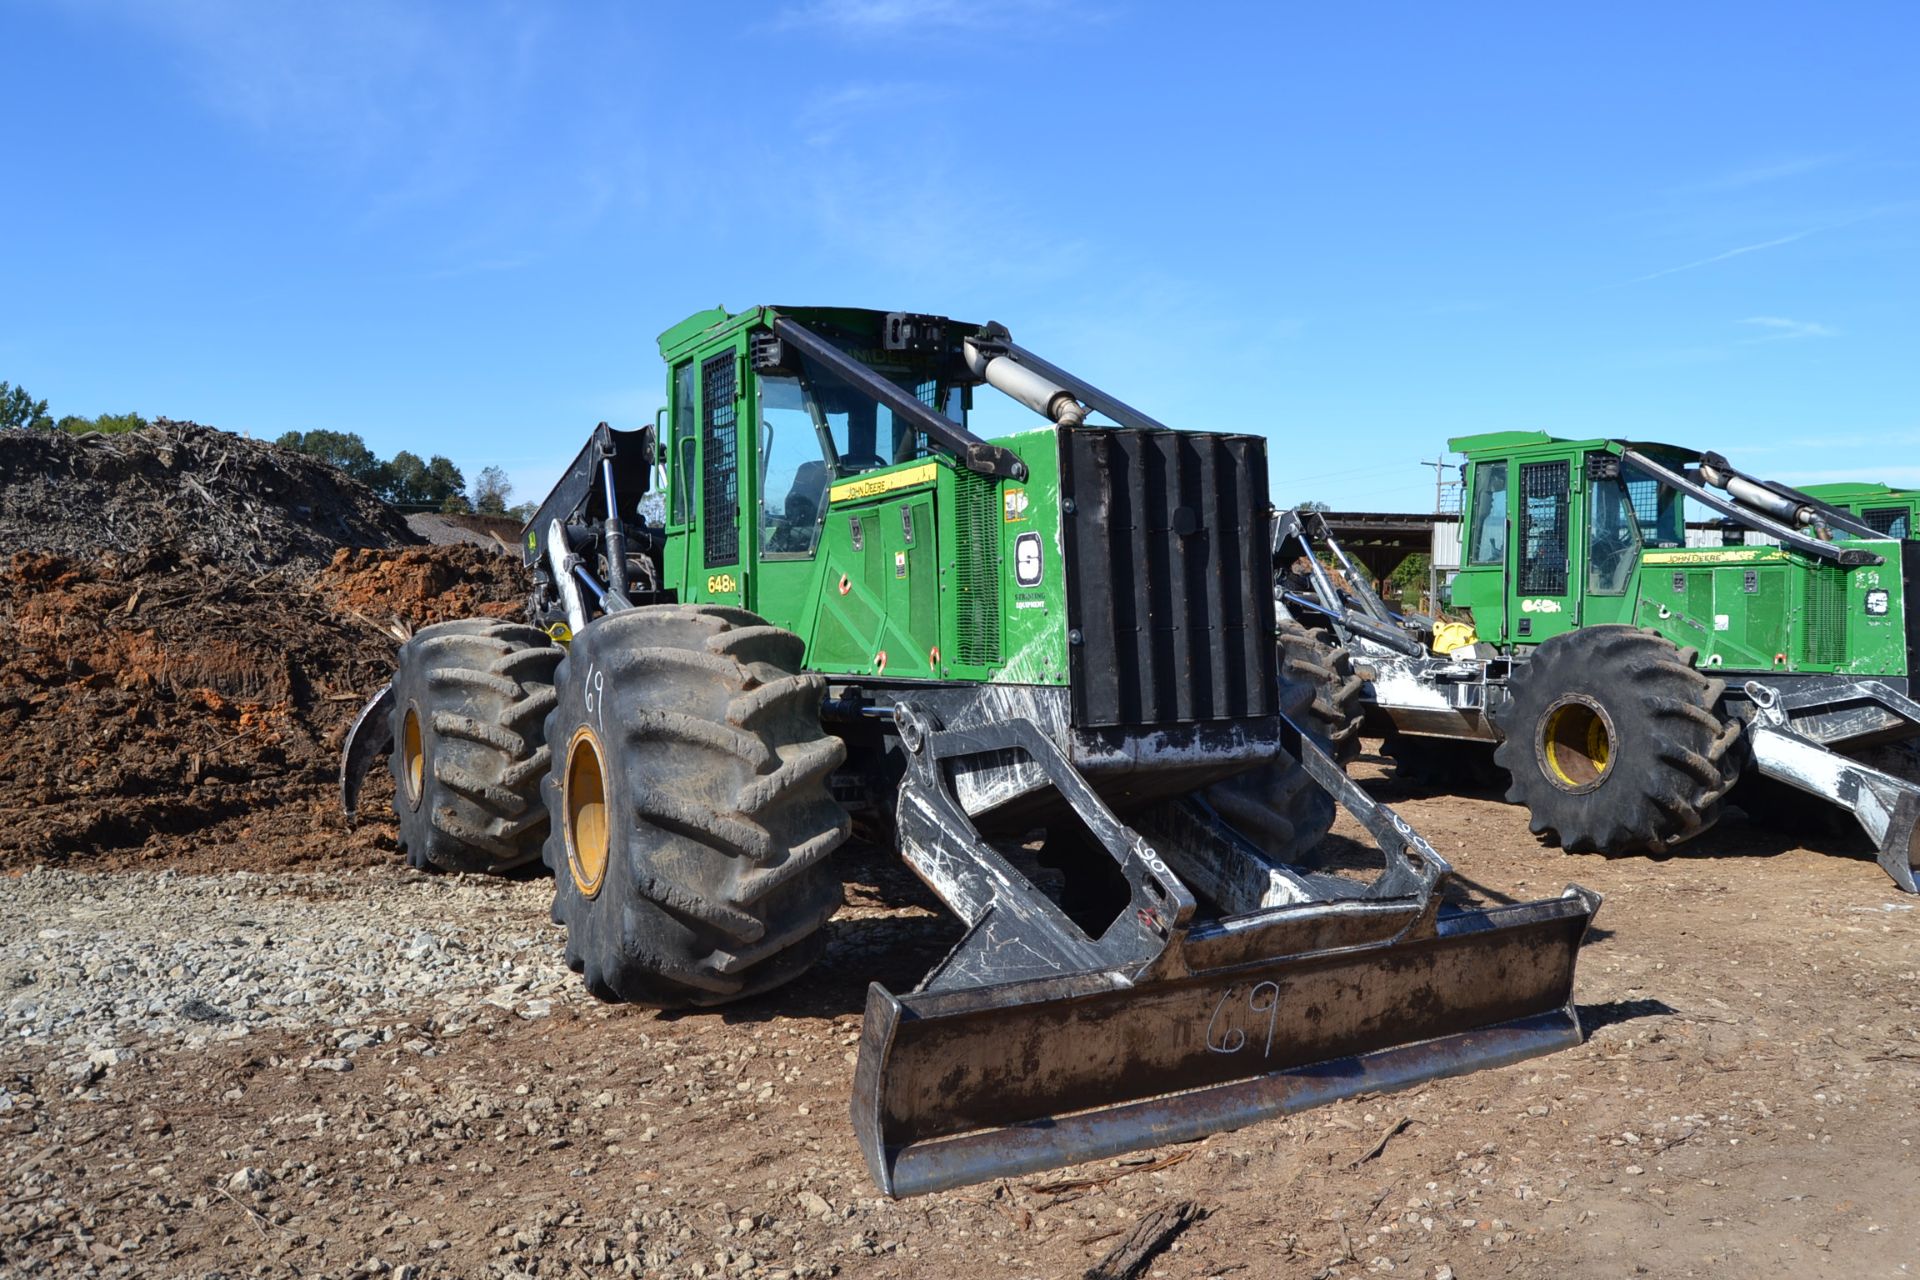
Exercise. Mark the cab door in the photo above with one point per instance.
(717, 561)
(1480, 585)
(1545, 598)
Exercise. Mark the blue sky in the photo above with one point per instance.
(1357, 229)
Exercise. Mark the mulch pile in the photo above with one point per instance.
(193, 619)
(185, 489)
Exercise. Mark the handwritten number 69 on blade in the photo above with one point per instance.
(1230, 1036)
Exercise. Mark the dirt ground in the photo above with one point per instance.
(1746, 1103)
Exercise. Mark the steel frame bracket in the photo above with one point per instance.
(1888, 808)
(1014, 930)
(1032, 1045)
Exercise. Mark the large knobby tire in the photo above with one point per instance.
(1326, 670)
(691, 818)
(471, 699)
(1616, 743)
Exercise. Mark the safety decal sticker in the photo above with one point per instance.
(1028, 565)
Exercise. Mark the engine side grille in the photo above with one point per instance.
(1823, 639)
(976, 567)
(1910, 597)
(1168, 578)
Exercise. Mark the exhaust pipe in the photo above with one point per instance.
(989, 361)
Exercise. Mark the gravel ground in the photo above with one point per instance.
(93, 964)
(1746, 1102)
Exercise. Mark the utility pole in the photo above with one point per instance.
(1440, 487)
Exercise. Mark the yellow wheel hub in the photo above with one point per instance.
(413, 758)
(585, 805)
(1577, 744)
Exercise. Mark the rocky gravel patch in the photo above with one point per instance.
(104, 965)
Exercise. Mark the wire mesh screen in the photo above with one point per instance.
(1644, 494)
(977, 567)
(1543, 528)
(720, 489)
(1823, 640)
(1891, 521)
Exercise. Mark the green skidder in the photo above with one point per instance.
(1041, 667)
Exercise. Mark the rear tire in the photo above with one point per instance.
(692, 822)
(1326, 670)
(1615, 743)
(1279, 806)
(471, 699)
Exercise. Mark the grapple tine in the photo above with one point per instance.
(956, 1087)
(370, 738)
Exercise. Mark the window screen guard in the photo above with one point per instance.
(1543, 528)
(720, 489)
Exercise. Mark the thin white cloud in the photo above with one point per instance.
(865, 18)
(1722, 257)
(1779, 328)
(826, 116)
(1761, 174)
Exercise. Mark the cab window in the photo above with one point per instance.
(1892, 521)
(1658, 510)
(793, 468)
(1613, 540)
(865, 434)
(1487, 531)
(684, 440)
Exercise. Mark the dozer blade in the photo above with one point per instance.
(1034, 1045)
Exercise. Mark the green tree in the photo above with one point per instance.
(112, 424)
(18, 409)
(523, 511)
(491, 489)
(1408, 581)
(407, 480)
(345, 450)
(1311, 504)
(445, 482)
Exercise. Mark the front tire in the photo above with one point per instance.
(691, 819)
(1616, 743)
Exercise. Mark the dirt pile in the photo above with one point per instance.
(187, 490)
(193, 619)
(159, 712)
(419, 585)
